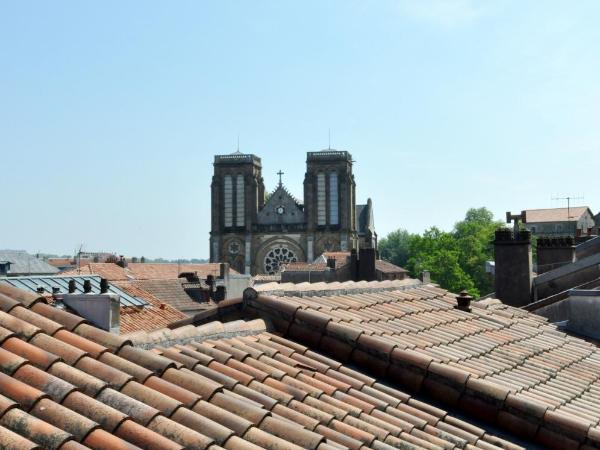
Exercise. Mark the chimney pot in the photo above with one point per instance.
(103, 285)
(40, 290)
(72, 287)
(331, 263)
(87, 286)
(463, 301)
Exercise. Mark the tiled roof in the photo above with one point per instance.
(157, 314)
(388, 267)
(146, 271)
(265, 278)
(173, 293)
(555, 214)
(305, 267)
(342, 287)
(64, 384)
(341, 258)
(110, 271)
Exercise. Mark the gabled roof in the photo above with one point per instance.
(155, 315)
(22, 263)
(171, 292)
(303, 383)
(572, 214)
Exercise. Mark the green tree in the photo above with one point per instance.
(474, 236)
(455, 259)
(437, 252)
(395, 247)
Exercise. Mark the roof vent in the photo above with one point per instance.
(463, 301)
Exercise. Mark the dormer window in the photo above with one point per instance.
(4, 268)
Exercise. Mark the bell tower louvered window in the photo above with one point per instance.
(333, 199)
(228, 200)
(239, 201)
(321, 200)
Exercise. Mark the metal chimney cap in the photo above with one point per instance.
(463, 301)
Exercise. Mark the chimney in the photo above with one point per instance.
(103, 285)
(426, 277)
(366, 264)
(353, 265)
(331, 262)
(553, 252)
(72, 287)
(513, 271)
(40, 290)
(102, 310)
(463, 301)
(87, 286)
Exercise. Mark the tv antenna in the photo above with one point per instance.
(568, 199)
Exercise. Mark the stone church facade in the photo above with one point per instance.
(256, 233)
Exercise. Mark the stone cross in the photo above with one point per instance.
(280, 173)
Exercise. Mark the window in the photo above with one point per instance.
(239, 201)
(228, 200)
(321, 207)
(333, 199)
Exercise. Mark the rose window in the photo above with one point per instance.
(276, 257)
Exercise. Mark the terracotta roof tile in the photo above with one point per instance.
(265, 389)
(34, 429)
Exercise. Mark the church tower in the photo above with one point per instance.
(237, 194)
(330, 202)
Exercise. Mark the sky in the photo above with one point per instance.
(111, 112)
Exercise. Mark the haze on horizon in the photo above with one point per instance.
(110, 113)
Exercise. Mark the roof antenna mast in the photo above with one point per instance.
(329, 139)
(568, 199)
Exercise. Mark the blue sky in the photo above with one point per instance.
(111, 112)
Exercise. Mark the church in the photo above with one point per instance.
(256, 231)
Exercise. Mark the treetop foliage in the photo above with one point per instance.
(455, 259)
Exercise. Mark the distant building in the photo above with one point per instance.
(342, 266)
(574, 221)
(14, 263)
(257, 233)
(187, 287)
